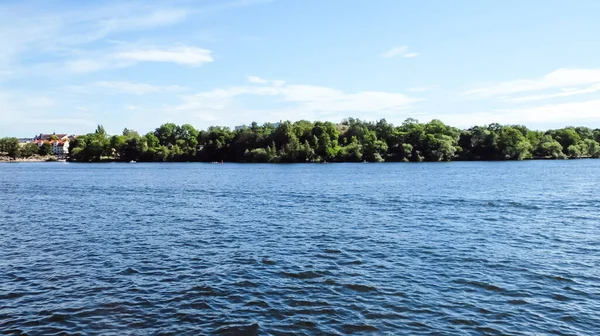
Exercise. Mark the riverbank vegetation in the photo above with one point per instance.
(11, 149)
(352, 140)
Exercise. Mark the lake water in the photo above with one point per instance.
(453, 248)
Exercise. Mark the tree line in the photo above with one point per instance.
(352, 140)
(11, 147)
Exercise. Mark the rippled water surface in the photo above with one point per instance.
(460, 248)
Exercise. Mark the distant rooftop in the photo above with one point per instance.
(47, 136)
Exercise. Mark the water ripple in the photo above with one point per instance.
(300, 249)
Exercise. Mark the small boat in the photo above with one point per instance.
(132, 161)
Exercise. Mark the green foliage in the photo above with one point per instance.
(45, 149)
(29, 150)
(353, 140)
(549, 148)
(592, 148)
(567, 137)
(258, 155)
(93, 146)
(10, 147)
(574, 151)
(513, 144)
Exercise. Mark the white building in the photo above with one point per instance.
(60, 147)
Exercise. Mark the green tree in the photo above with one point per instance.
(567, 137)
(374, 150)
(257, 155)
(11, 147)
(166, 134)
(574, 151)
(152, 140)
(129, 133)
(29, 150)
(407, 151)
(549, 148)
(592, 148)
(117, 144)
(45, 149)
(513, 144)
(100, 130)
(353, 140)
(353, 152)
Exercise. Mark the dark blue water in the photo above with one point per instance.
(506, 248)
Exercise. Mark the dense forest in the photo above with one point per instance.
(352, 140)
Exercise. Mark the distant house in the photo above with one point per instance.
(60, 147)
(24, 141)
(47, 137)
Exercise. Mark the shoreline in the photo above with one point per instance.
(6, 159)
(334, 162)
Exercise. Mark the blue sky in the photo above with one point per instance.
(67, 66)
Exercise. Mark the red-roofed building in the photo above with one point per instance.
(60, 147)
(47, 137)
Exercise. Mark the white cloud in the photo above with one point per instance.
(401, 51)
(558, 79)
(126, 56)
(421, 89)
(123, 87)
(310, 97)
(410, 55)
(563, 93)
(293, 101)
(139, 88)
(22, 109)
(257, 80)
(72, 38)
(559, 115)
(40, 29)
(157, 18)
(182, 55)
(83, 66)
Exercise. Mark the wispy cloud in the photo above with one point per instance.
(123, 55)
(24, 108)
(421, 89)
(71, 37)
(124, 87)
(182, 55)
(257, 80)
(558, 79)
(151, 19)
(563, 93)
(401, 51)
(294, 101)
(41, 29)
(82, 66)
(311, 97)
(573, 113)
